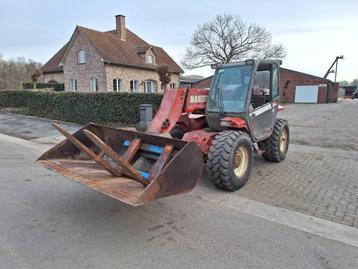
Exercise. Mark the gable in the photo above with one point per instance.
(109, 46)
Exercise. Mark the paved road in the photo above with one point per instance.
(32, 128)
(324, 125)
(319, 176)
(50, 222)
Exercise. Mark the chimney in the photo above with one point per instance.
(121, 27)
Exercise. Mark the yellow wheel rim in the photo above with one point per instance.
(241, 161)
(283, 140)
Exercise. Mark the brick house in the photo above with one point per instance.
(116, 60)
(294, 84)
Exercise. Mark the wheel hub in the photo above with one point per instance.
(283, 140)
(241, 161)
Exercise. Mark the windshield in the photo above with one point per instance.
(229, 89)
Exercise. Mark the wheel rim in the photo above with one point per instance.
(283, 140)
(241, 161)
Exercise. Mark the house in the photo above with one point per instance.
(116, 60)
(297, 87)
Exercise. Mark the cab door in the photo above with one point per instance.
(265, 94)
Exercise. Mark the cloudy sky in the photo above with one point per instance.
(313, 32)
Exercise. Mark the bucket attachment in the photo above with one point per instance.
(133, 167)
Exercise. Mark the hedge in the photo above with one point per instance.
(81, 107)
(58, 87)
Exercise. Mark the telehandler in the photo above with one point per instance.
(224, 125)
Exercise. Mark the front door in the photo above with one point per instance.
(264, 101)
(263, 120)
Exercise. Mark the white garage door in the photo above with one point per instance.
(306, 94)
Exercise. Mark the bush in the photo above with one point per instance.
(58, 87)
(81, 107)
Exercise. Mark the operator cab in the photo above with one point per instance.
(248, 90)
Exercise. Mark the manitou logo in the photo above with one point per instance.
(194, 99)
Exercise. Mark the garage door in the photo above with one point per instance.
(306, 94)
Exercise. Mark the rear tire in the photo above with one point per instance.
(276, 146)
(230, 160)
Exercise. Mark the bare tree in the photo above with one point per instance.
(164, 75)
(229, 38)
(15, 71)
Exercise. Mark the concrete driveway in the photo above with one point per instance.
(50, 222)
(318, 178)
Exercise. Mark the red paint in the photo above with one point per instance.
(169, 111)
(202, 138)
(196, 100)
(190, 122)
(176, 107)
(235, 122)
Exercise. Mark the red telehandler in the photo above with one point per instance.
(224, 125)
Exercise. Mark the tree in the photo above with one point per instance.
(164, 75)
(354, 82)
(229, 38)
(15, 71)
(35, 76)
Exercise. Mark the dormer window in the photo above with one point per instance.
(81, 57)
(150, 59)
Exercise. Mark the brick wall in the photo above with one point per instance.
(127, 74)
(94, 66)
(290, 79)
(105, 74)
(204, 83)
(59, 77)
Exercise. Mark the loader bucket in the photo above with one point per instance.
(132, 167)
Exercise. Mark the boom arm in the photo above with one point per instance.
(175, 102)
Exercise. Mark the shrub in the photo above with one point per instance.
(57, 87)
(81, 107)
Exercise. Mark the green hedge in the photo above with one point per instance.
(58, 87)
(81, 107)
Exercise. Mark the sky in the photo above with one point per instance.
(313, 32)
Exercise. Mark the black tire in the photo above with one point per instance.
(273, 151)
(222, 158)
(177, 132)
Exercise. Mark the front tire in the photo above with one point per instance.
(230, 160)
(276, 146)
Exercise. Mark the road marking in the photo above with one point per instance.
(324, 228)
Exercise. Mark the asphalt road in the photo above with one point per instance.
(50, 222)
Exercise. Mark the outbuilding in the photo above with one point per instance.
(297, 87)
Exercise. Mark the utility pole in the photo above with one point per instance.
(335, 62)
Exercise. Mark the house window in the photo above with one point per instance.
(172, 85)
(117, 84)
(134, 85)
(73, 85)
(81, 57)
(149, 86)
(150, 59)
(94, 84)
